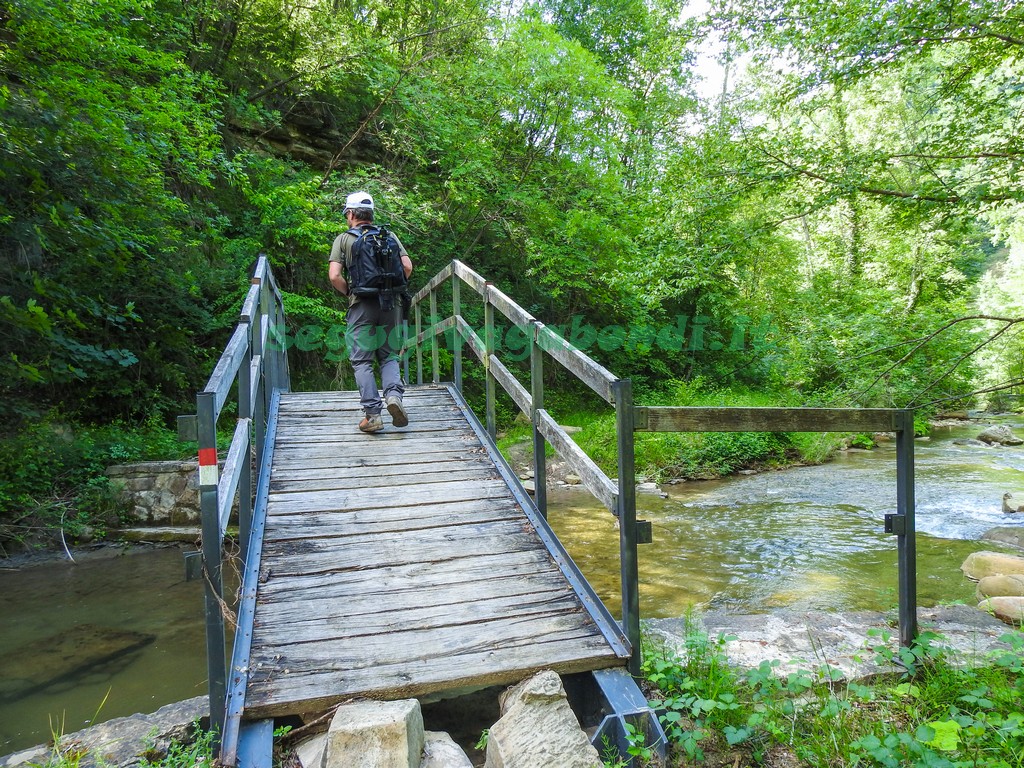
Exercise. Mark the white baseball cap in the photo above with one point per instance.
(358, 200)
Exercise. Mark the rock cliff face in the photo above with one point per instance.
(309, 139)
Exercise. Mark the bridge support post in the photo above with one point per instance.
(216, 649)
(906, 545)
(540, 467)
(630, 576)
(457, 336)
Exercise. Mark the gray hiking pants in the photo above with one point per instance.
(375, 335)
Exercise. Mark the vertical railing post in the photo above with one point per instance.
(419, 350)
(457, 334)
(245, 411)
(630, 575)
(906, 544)
(256, 343)
(216, 662)
(489, 381)
(540, 467)
(433, 338)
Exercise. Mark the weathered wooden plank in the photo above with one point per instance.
(394, 577)
(327, 406)
(223, 376)
(511, 384)
(379, 442)
(396, 519)
(421, 645)
(435, 281)
(237, 459)
(679, 419)
(475, 342)
(395, 453)
(586, 369)
(516, 314)
(470, 277)
(319, 501)
(274, 692)
(381, 471)
(590, 474)
(331, 483)
(331, 621)
(444, 600)
(352, 553)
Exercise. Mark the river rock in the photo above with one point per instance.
(999, 434)
(121, 743)
(310, 752)
(375, 734)
(1010, 535)
(441, 751)
(971, 442)
(1001, 586)
(572, 479)
(978, 565)
(1007, 609)
(538, 728)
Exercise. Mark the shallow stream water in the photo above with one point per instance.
(129, 629)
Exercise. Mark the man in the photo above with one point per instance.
(371, 326)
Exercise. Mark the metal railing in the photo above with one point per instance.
(620, 497)
(253, 366)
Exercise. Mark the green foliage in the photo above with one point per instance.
(939, 712)
(52, 474)
(195, 753)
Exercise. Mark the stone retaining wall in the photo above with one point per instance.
(160, 492)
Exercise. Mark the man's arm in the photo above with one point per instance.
(406, 265)
(337, 276)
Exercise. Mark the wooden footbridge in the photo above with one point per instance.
(413, 562)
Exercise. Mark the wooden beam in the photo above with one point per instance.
(470, 277)
(511, 384)
(516, 314)
(680, 419)
(586, 369)
(435, 281)
(590, 474)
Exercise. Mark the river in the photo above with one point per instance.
(129, 630)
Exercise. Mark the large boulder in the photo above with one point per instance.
(978, 565)
(538, 728)
(1001, 585)
(375, 734)
(1008, 609)
(1006, 534)
(123, 742)
(999, 434)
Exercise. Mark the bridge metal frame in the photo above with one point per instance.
(253, 366)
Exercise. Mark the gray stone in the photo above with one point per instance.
(978, 565)
(972, 442)
(375, 734)
(120, 743)
(538, 728)
(1010, 535)
(809, 640)
(441, 751)
(311, 751)
(1001, 585)
(1009, 610)
(999, 434)
(572, 479)
(530, 486)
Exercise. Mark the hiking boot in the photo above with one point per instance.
(371, 423)
(398, 415)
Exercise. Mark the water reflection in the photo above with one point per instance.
(128, 628)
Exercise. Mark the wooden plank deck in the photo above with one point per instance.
(402, 563)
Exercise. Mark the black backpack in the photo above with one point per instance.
(376, 266)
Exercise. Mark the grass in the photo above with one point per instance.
(939, 712)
